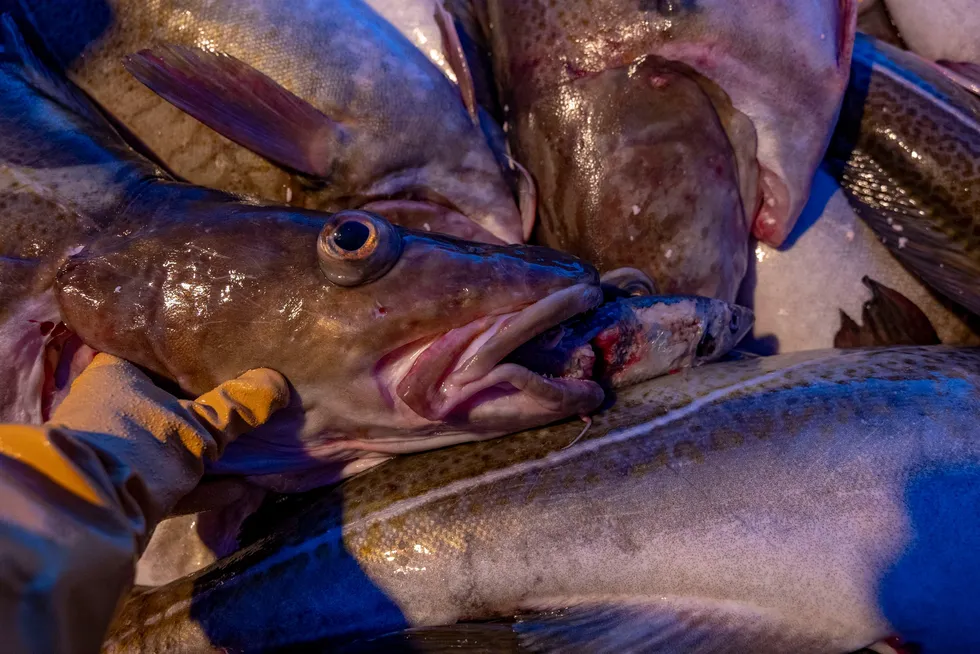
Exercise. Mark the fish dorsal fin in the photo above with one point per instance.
(45, 79)
(457, 60)
(242, 104)
(661, 625)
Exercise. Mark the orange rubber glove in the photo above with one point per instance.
(81, 494)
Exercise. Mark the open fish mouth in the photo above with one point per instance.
(460, 375)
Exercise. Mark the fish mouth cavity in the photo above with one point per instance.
(459, 366)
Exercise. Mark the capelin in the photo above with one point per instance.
(629, 340)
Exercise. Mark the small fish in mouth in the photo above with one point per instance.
(390, 337)
(629, 340)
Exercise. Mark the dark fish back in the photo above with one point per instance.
(64, 171)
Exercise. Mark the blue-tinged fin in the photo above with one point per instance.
(242, 104)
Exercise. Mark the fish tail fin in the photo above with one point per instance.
(243, 105)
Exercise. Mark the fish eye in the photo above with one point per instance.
(733, 325)
(357, 247)
(351, 235)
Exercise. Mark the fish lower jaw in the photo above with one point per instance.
(454, 375)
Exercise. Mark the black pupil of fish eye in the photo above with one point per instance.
(734, 324)
(351, 235)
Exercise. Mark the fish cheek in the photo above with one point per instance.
(108, 304)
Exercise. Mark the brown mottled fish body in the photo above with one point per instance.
(813, 502)
(401, 130)
(666, 131)
(198, 286)
(907, 152)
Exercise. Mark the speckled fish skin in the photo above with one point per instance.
(620, 343)
(409, 135)
(633, 173)
(198, 286)
(813, 502)
(797, 292)
(907, 152)
(783, 63)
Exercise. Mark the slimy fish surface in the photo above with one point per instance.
(812, 502)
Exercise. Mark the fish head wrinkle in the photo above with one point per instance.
(391, 338)
(637, 169)
(784, 64)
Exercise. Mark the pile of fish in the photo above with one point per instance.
(456, 229)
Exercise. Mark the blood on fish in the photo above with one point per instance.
(46, 327)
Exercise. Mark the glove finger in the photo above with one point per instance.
(242, 404)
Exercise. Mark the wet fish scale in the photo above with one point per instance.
(404, 132)
(907, 152)
(672, 497)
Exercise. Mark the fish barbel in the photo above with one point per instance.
(812, 502)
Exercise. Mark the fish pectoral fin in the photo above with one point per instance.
(242, 104)
(964, 73)
(662, 624)
(457, 60)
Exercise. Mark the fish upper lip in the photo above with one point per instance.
(470, 365)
